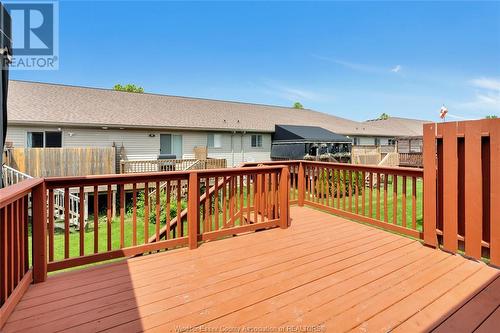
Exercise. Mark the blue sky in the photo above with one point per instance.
(351, 59)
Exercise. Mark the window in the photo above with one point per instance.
(53, 139)
(256, 141)
(35, 139)
(44, 139)
(171, 144)
(214, 140)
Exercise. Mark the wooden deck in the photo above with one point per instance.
(323, 270)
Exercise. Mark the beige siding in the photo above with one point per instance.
(143, 144)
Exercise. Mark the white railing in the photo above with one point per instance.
(12, 176)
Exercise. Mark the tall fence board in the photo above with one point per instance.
(46, 162)
(462, 187)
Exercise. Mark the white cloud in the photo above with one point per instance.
(367, 68)
(486, 97)
(396, 69)
(487, 83)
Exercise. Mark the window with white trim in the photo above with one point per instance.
(214, 140)
(256, 141)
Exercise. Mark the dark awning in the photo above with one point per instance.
(299, 133)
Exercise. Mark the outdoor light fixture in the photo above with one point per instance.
(104, 127)
(151, 135)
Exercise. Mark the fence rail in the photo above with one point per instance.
(170, 165)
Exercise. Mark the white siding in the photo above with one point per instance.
(143, 144)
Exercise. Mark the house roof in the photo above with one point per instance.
(307, 133)
(407, 126)
(54, 104)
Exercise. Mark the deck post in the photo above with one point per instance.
(284, 198)
(430, 191)
(39, 206)
(301, 185)
(193, 210)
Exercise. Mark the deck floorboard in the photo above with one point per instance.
(323, 270)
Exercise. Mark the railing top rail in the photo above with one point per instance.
(113, 179)
(417, 172)
(17, 191)
(372, 168)
(5, 166)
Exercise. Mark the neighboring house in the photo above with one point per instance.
(410, 139)
(52, 115)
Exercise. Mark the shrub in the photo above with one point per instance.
(152, 207)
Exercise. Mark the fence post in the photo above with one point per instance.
(122, 166)
(284, 198)
(39, 206)
(193, 210)
(430, 191)
(301, 184)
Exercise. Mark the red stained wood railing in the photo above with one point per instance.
(222, 197)
(344, 189)
(15, 258)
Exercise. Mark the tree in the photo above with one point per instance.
(384, 116)
(298, 105)
(129, 88)
(491, 116)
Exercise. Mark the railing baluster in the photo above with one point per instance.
(344, 189)
(146, 212)
(66, 222)
(338, 188)
(158, 211)
(256, 196)
(96, 219)
(81, 221)
(4, 254)
(395, 199)
(179, 210)
(206, 225)
(403, 207)
(168, 193)
(241, 200)
(51, 225)
(216, 203)
(350, 190)
(386, 186)
(378, 196)
(224, 201)
(363, 196)
(248, 198)
(356, 190)
(109, 208)
(414, 203)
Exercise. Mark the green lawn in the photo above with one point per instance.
(390, 203)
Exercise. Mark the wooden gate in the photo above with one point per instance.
(462, 187)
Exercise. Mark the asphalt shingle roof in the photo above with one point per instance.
(43, 103)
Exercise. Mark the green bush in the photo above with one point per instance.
(152, 207)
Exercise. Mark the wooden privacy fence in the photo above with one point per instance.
(462, 187)
(171, 165)
(49, 162)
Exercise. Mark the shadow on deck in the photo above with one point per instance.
(323, 273)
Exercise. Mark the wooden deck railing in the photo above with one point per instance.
(171, 165)
(387, 197)
(15, 223)
(411, 160)
(249, 199)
